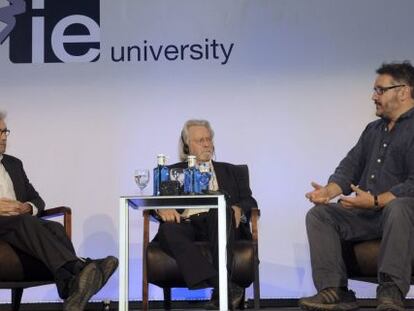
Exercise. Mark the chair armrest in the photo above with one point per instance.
(254, 218)
(64, 211)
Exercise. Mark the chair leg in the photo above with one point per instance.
(167, 298)
(256, 282)
(145, 287)
(17, 294)
(145, 303)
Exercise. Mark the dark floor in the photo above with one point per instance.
(273, 309)
(95, 308)
(266, 305)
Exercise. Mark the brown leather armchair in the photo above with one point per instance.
(18, 270)
(162, 270)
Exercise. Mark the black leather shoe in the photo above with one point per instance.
(107, 266)
(214, 303)
(236, 295)
(86, 283)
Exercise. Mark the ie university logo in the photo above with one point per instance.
(51, 31)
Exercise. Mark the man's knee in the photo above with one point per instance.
(167, 230)
(55, 227)
(399, 208)
(319, 211)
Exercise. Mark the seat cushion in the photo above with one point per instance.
(361, 258)
(16, 265)
(10, 266)
(163, 270)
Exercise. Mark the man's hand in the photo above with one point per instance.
(169, 215)
(237, 214)
(320, 194)
(363, 199)
(12, 207)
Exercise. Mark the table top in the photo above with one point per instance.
(179, 201)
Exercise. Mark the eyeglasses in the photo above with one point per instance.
(5, 132)
(379, 90)
(203, 140)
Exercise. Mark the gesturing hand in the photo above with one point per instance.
(169, 215)
(363, 199)
(320, 194)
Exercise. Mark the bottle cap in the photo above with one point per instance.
(191, 160)
(161, 159)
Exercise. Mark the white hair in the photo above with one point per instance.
(184, 140)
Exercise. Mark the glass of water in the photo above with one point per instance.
(178, 175)
(142, 178)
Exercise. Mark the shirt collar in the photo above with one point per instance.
(408, 114)
(209, 164)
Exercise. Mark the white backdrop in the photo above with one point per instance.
(290, 102)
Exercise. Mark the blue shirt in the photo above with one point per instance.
(382, 160)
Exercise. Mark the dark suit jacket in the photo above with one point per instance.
(232, 183)
(24, 190)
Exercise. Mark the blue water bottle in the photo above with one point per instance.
(205, 175)
(191, 176)
(161, 173)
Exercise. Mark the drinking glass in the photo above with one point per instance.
(142, 178)
(178, 175)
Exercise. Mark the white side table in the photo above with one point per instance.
(160, 202)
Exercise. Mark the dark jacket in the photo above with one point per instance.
(233, 182)
(24, 190)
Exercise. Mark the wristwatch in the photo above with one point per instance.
(376, 205)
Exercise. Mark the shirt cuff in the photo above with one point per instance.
(35, 211)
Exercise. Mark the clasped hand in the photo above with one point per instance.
(171, 215)
(12, 207)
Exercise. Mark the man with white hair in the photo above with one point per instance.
(178, 231)
(77, 279)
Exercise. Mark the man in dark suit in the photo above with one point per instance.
(77, 279)
(180, 229)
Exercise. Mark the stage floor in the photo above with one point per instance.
(265, 309)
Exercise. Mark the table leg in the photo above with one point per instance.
(222, 244)
(123, 254)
